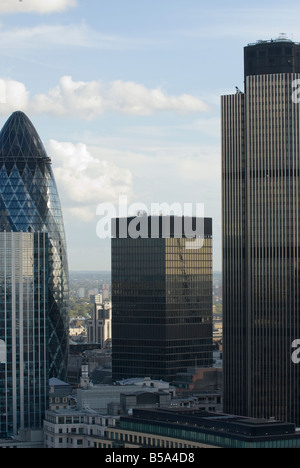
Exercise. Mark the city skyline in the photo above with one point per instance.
(165, 176)
(126, 96)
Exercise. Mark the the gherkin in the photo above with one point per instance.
(29, 202)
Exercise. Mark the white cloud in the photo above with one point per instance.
(167, 173)
(44, 36)
(87, 100)
(84, 180)
(39, 6)
(84, 99)
(13, 96)
(134, 98)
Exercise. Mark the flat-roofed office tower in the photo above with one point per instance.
(261, 235)
(161, 300)
(33, 300)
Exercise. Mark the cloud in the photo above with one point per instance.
(93, 98)
(44, 36)
(133, 98)
(85, 180)
(84, 99)
(164, 172)
(38, 6)
(87, 100)
(13, 96)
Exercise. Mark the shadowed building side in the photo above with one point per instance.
(261, 251)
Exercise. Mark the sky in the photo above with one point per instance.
(125, 95)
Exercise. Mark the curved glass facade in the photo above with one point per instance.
(29, 202)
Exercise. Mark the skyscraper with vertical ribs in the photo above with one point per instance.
(261, 235)
(33, 278)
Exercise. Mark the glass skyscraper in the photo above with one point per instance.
(33, 307)
(24, 365)
(261, 234)
(162, 301)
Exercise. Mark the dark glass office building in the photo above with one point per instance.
(261, 235)
(161, 299)
(29, 203)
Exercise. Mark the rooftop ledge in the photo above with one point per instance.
(281, 38)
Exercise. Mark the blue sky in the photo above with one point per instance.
(125, 95)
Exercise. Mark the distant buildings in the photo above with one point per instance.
(33, 278)
(200, 380)
(162, 301)
(105, 292)
(100, 324)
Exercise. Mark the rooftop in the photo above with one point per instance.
(214, 423)
(281, 38)
(142, 381)
(20, 142)
(53, 382)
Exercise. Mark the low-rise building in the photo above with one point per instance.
(78, 421)
(100, 397)
(75, 429)
(189, 429)
(26, 439)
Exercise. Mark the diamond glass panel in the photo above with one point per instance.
(29, 202)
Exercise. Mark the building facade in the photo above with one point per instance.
(33, 278)
(261, 255)
(29, 202)
(192, 429)
(161, 299)
(99, 325)
(23, 330)
(72, 429)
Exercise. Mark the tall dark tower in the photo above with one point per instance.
(261, 235)
(29, 202)
(162, 301)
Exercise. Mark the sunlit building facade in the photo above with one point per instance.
(24, 330)
(161, 301)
